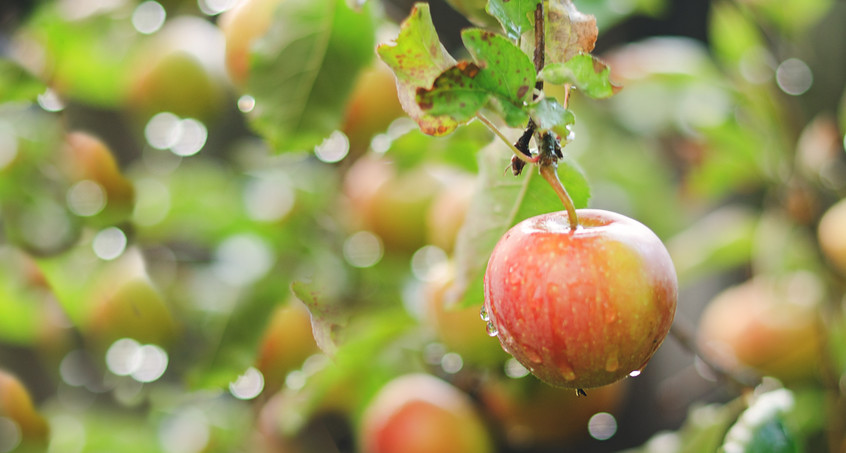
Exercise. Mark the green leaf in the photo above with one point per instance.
(569, 32)
(503, 201)
(585, 72)
(550, 115)
(760, 428)
(417, 57)
(516, 16)
(502, 73)
(16, 84)
(303, 69)
(413, 148)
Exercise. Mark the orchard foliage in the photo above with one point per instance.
(263, 225)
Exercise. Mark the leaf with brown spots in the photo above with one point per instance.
(417, 59)
(587, 73)
(568, 32)
(515, 16)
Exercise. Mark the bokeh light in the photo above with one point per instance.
(10, 434)
(148, 17)
(794, 77)
(242, 259)
(86, 198)
(248, 385)
(363, 249)
(109, 243)
(602, 426)
(186, 431)
(334, 148)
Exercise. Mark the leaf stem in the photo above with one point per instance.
(525, 158)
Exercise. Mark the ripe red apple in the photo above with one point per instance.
(769, 325)
(16, 404)
(581, 308)
(419, 413)
(532, 413)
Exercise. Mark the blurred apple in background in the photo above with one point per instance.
(372, 106)
(768, 324)
(532, 413)
(286, 343)
(242, 26)
(831, 234)
(130, 308)
(461, 330)
(99, 188)
(419, 413)
(390, 203)
(448, 210)
(179, 70)
(16, 406)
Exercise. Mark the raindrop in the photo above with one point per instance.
(602, 426)
(794, 77)
(148, 17)
(483, 313)
(248, 385)
(491, 329)
(86, 198)
(452, 363)
(334, 148)
(612, 364)
(635, 373)
(109, 243)
(10, 434)
(363, 249)
(246, 103)
(514, 369)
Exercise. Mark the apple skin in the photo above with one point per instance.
(764, 325)
(830, 235)
(581, 308)
(419, 413)
(16, 404)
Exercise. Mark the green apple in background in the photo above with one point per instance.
(581, 307)
(287, 341)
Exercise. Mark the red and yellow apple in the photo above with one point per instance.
(769, 325)
(287, 341)
(16, 404)
(581, 307)
(419, 413)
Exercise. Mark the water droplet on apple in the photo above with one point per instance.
(492, 330)
(635, 373)
(483, 313)
(566, 371)
(612, 364)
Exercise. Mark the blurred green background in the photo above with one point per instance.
(221, 234)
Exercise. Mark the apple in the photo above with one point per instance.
(390, 203)
(131, 308)
(87, 158)
(830, 235)
(16, 405)
(287, 341)
(770, 325)
(179, 70)
(459, 329)
(580, 308)
(242, 26)
(532, 413)
(371, 107)
(448, 210)
(419, 413)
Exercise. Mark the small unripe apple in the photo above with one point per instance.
(16, 404)
(769, 325)
(830, 234)
(448, 211)
(581, 308)
(419, 413)
(286, 343)
(372, 106)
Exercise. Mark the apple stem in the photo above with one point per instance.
(549, 172)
